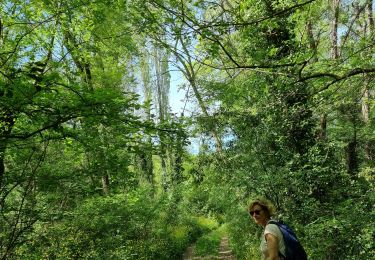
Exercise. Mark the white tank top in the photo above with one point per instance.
(274, 230)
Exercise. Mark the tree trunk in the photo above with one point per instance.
(105, 184)
(351, 156)
(334, 27)
(323, 127)
(84, 67)
(162, 88)
(334, 56)
(147, 167)
(6, 126)
(370, 18)
(322, 133)
(206, 114)
(190, 74)
(310, 36)
(366, 100)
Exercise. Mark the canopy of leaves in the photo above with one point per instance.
(93, 163)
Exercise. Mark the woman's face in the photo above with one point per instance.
(259, 215)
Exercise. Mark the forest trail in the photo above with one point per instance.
(224, 252)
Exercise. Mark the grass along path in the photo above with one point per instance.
(225, 253)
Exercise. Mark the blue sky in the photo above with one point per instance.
(177, 95)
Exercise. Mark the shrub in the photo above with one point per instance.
(209, 244)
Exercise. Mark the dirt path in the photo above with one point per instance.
(224, 252)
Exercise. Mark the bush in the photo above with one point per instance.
(244, 235)
(132, 226)
(209, 244)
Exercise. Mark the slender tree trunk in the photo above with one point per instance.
(334, 27)
(370, 18)
(323, 127)
(366, 100)
(322, 134)
(177, 177)
(105, 184)
(146, 156)
(310, 35)
(206, 114)
(190, 74)
(2, 165)
(352, 155)
(334, 56)
(6, 126)
(162, 88)
(84, 67)
(351, 149)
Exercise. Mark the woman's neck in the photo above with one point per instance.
(265, 222)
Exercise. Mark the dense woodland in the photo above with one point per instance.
(94, 164)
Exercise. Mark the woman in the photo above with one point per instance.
(272, 242)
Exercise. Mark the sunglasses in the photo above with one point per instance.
(255, 212)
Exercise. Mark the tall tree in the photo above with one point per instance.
(162, 85)
(146, 160)
(367, 90)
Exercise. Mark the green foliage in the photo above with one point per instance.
(244, 236)
(347, 219)
(132, 226)
(208, 245)
(88, 171)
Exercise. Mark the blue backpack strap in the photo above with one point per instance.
(293, 248)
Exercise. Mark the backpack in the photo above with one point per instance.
(293, 248)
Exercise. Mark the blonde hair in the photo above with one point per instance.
(265, 204)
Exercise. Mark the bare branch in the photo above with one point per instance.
(337, 78)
